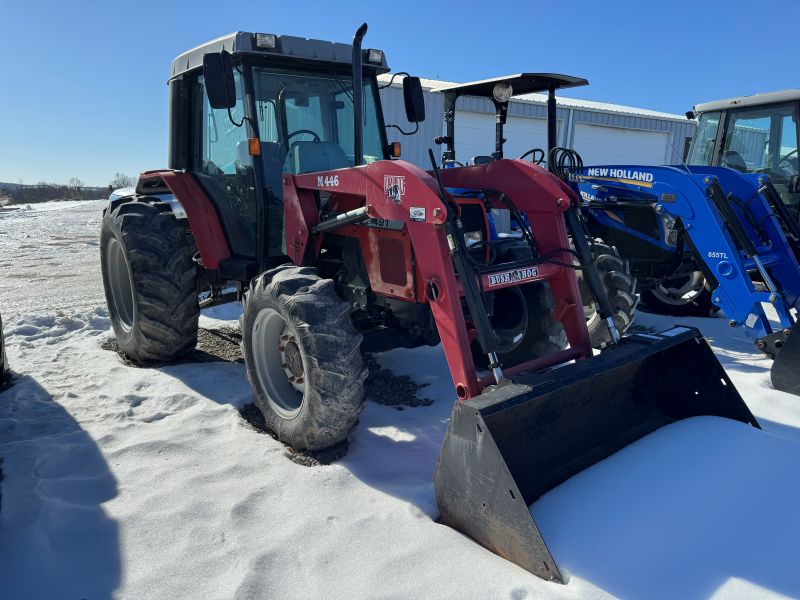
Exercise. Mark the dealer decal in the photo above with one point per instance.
(395, 188)
(417, 213)
(513, 276)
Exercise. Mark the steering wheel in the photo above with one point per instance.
(777, 174)
(785, 158)
(534, 159)
(306, 131)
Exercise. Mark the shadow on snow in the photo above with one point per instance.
(55, 538)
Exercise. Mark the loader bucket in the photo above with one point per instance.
(785, 371)
(508, 446)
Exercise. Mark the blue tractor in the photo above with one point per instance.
(720, 233)
(753, 134)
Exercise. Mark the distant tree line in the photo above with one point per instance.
(74, 189)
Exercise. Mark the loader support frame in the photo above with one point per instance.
(536, 192)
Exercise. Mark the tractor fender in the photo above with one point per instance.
(187, 200)
(118, 196)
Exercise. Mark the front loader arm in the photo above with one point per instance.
(399, 191)
(396, 191)
(721, 233)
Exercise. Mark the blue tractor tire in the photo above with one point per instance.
(693, 299)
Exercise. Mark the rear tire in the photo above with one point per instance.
(150, 280)
(620, 286)
(303, 357)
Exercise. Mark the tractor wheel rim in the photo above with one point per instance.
(279, 364)
(121, 283)
(684, 294)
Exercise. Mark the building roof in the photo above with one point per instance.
(435, 85)
(754, 100)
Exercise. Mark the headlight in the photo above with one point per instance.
(266, 41)
(473, 237)
(670, 233)
(502, 91)
(375, 56)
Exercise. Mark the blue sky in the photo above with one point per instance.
(83, 92)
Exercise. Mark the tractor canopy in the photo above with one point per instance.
(500, 90)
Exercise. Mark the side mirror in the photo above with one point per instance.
(794, 184)
(414, 100)
(218, 75)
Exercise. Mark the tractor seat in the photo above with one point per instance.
(734, 160)
(310, 157)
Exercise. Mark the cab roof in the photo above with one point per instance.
(286, 46)
(521, 83)
(754, 100)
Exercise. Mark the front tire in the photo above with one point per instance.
(150, 281)
(543, 334)
(303, 357)
(691, 299)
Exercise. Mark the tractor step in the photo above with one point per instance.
(238, 269)
(507, 447)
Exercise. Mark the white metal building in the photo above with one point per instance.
(602, 133)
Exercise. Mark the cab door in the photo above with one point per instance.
(223, 166)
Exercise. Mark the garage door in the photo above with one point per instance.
(475, 135)
(600, 145)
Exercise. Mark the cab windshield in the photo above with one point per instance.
(305, 124)
(305, 119)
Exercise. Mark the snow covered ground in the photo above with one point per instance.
(49, 258)
(147, 483)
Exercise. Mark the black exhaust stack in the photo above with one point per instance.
(358, 131)
(552, 124)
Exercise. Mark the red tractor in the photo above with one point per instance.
(283, 192)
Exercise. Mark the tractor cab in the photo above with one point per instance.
(499, 91)
(247, 108)
(752, 134)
